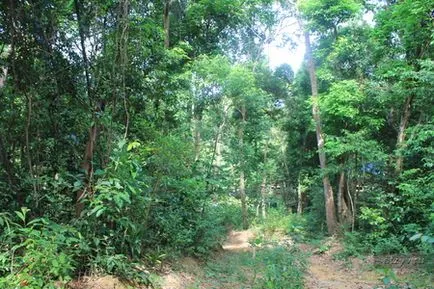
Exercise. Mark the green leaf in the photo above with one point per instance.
(97, 210)
(22, 214)
(77, 185)
(99, 213)
(133, 145)
(99, 172)
(415, 237)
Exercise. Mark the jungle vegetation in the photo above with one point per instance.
(136, 129)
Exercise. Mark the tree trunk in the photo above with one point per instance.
(299, 196)
(83, 47)
(29, 155)
(328, 190)
(243, 200)
(216, 153)
(352, 204)
(242, 176)
(197, 136)
(166, 23)
(87, 166)
(4, 156)
(264, 182)
(401, 133)
(3, 75)
(263, 197)
(6, 163)
(122, 60)
(343, 208)
(87, 163)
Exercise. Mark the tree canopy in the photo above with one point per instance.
(134, 127)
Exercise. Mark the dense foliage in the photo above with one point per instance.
(134, 131)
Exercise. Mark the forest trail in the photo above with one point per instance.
(192, 273)
(238, 241)
(324, 272)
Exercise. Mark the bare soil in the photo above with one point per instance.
(325, 272)
(102, 282)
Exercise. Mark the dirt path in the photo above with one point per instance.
(238, 241)
(232, 268)
(325, 272)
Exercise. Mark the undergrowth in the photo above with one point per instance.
(269, 268)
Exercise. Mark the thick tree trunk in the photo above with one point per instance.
(343, 208)
(328, 190)
(341, 188)
(405, 117)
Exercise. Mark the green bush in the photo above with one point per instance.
(228, 210)
(276, 220)
(283, 269)
(120, 265)
(279, 220)
(355, 244)
(149, 198)
(389, 245)
(36, 253)
(212, 228)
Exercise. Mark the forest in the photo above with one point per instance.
(138, 138)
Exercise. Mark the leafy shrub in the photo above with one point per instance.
(228, 211)
(36, 253)
(297, 227)
(283, 269)
(279, 220)
(276, 220)
(388, 245)
(118, 207)
(315, 212)
(359, 243)
(149, 198)
(355, 244)
(120, 265)
(213, 226)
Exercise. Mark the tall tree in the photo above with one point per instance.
(328, 189)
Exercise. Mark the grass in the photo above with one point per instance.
(270, 268)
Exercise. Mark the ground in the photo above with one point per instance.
(244, 263)
(323, 272)
(102, 282)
